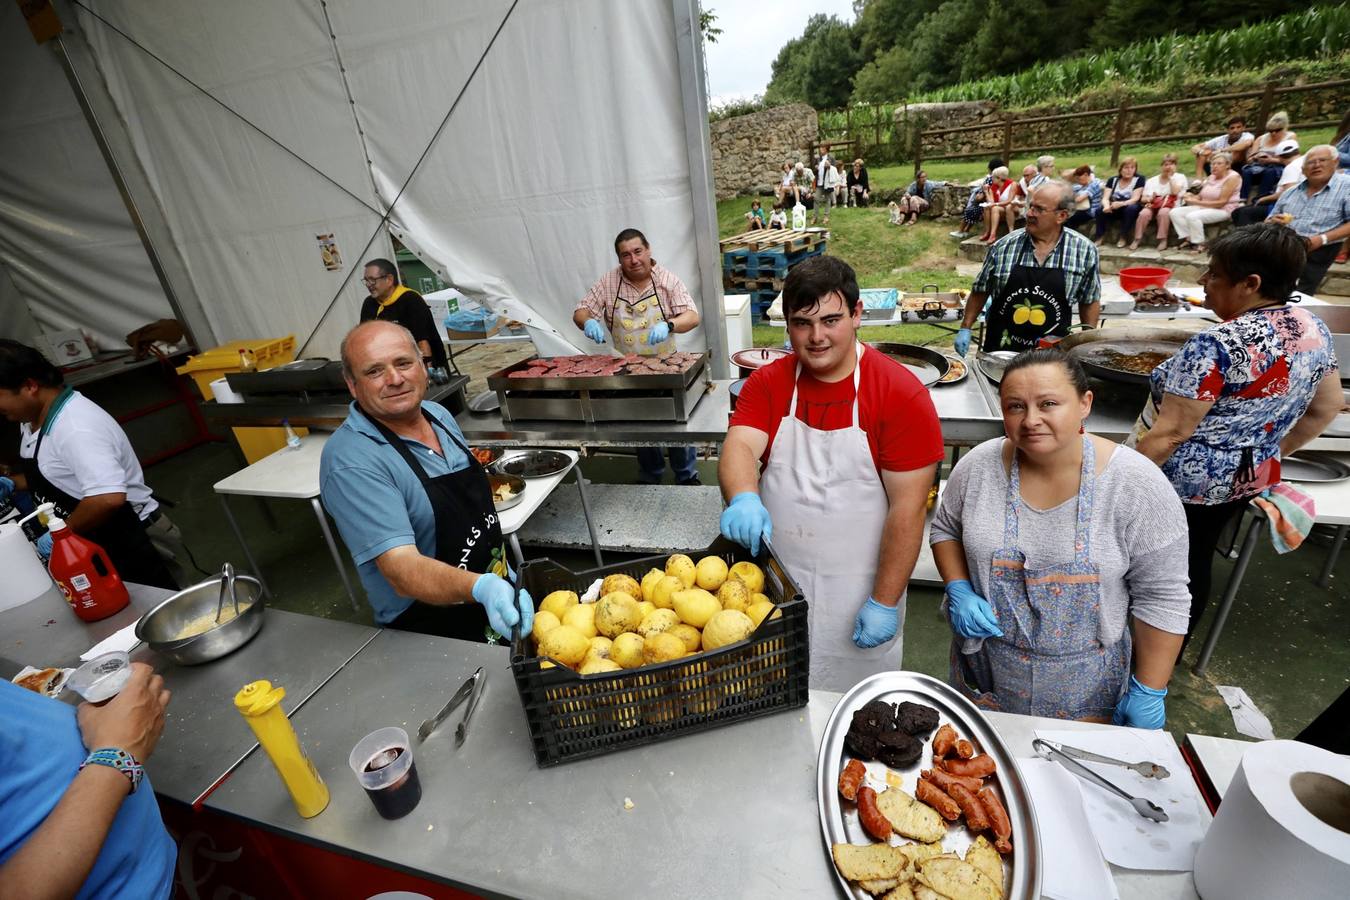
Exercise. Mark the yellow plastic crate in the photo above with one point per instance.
(209, 365)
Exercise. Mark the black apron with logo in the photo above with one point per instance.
(122, 535)
(468, 536)
(1032, 305)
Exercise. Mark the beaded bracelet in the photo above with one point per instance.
(117, 759)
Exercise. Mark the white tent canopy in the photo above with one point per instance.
(583, 117)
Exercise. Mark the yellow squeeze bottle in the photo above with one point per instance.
(260, 705)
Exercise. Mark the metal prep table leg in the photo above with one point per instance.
(1325, 578)
(515, 550)
(332, 548)
(248, 554)
(586, 509)
(1229, 593)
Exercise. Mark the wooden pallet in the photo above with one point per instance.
(741, 285)
(786, 240)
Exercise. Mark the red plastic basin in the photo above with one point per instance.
(1138, 277)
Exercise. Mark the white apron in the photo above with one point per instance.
(629, 323)
(828, 508)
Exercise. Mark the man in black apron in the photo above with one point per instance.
(1034, 277)
(413, 505)
(33, 392)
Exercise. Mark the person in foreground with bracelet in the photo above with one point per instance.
(80, 818)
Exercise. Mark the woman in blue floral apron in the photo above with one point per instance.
(1077, 551)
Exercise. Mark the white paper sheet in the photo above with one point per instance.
(122, 640)
(1075, 870)
(1126, 838)
(1247, 717)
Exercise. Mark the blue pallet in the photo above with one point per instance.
(765, 263)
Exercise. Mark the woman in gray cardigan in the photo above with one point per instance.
(1064, 559)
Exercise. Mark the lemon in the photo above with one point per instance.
(645, 609)
(649, 582)
(565, 644)
(600, 647)
(726, 627)
(663, 592)
(615, 614)
(559, 602)
(758, 612)
(582, 618)
(750, 574)
(627, 650)
(733, 595)
(661, 647)
(696, 606)
(687, 633)
(657, 621)
(543, 621)
(759, 598)
(593, 665)
(620, 584)
(710, 572)
(682, 567)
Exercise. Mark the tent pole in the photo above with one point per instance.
(186, 305)
(694, 100)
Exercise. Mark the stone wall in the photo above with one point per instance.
(748, 152)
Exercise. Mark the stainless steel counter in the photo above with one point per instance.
(204, 737)
(725, 813)
(328, 414)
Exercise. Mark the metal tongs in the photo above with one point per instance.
(470, 690)
(226, 590)
(1147, 769)
(1142, 805)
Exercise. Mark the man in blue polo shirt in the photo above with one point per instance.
(413, 505)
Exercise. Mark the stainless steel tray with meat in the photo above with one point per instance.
(918, 795)
(602, 388)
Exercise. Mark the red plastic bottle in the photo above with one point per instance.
(85, 575)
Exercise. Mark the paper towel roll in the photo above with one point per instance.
(25, 578)
(220, 389)
(1283, 828)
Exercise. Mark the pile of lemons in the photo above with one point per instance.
(685, 609)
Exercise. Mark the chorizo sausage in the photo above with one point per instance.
(943, 741)
(998, 819)
(945, 780)
(976, 767)
(876, 824)
(964, 748)
(851, 779)
(977, 819)
(940, 800)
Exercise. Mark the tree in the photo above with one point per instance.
(886, 77)
(707, 25)
(818, 67)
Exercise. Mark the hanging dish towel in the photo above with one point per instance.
(1291, 513)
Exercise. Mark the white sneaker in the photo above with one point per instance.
(957, 234)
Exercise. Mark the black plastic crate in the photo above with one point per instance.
(572, 716)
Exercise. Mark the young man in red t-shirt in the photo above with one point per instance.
(832, 456)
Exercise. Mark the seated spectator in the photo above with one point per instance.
(1045, 167)
(1259, 205)
(859, 188)
(1014, 200)
(1234, 142)
(974, 211)
(1161, 193)
(1318, 209)
(785, 180)
(918, 197)
(1120, 201)
(1000, 186)
(827, 188)
(80, 814)
(841, 187)
(755, 216)
(778, 218)
(1342, 142)
(1215, 202)
(804, 183)
(1263, 167)
(1087, 196)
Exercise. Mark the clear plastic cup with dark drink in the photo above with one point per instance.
(383, 763)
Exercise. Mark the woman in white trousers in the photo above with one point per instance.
(1217, 199)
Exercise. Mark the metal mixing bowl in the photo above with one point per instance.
(161, 626)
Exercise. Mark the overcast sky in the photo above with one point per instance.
(752, 34)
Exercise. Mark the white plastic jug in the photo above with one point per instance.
(26, 578)
(798, 217)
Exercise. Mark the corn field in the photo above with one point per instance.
(1320, 32)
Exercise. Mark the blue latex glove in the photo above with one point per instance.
(594, 330)
(971, 614)
(44, 546)
(660, 331)
(1141, 707)
(6, 488)
(876, 624)
(745, 519)
(962, 342)
(504, 606)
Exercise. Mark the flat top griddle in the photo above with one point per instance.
(501, 380)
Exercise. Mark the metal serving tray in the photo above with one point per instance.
(839, 820)
(501, 381)
(1312, 466)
